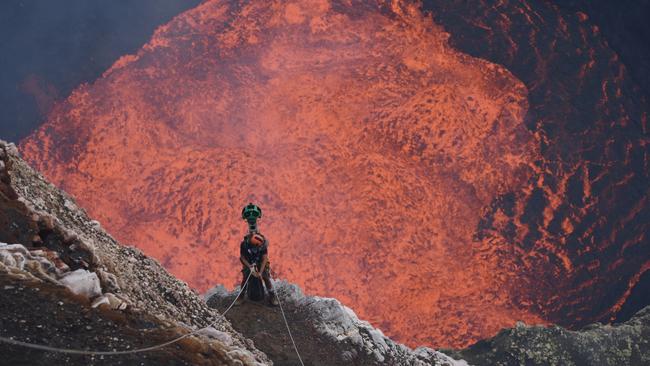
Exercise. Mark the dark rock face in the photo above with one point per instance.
(596, 344)
(68, 284)
(625, 27)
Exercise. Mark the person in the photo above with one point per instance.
(253, 254)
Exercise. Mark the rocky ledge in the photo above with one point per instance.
(326, 332)
(329, 333)
(627, 343)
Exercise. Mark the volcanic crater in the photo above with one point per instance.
(397, 173)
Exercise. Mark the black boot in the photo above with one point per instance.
(240, 300)
(273, 300)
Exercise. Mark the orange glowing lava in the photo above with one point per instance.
(372, 146)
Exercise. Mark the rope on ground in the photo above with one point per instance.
(288, 330)
(107, 353)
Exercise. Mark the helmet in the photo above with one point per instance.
(251, 212)
(256, 239)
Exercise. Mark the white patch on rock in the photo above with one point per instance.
(211, 332)
(39, 203)
(82, 282)
(108, 279)
(11, 149)
(110, 301)
(20, 260)
(102, 300)
(14, 248)
(7, 258)
(96, 225)
(438, 357)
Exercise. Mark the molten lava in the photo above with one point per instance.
(374, 148)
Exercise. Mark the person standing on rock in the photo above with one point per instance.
(253, 254)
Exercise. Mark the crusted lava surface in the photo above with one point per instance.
(582, 224)
(441, 195)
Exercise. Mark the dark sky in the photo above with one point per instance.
(48, 47)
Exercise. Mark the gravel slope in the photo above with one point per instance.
(58, 238)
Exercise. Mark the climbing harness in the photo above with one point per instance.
(137, 350)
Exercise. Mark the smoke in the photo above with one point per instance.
(49, 47)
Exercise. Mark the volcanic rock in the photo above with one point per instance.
(326, 332)
(59, 294)
(82, 282)
(627, 343)
(329, 333)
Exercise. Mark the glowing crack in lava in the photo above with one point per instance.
(372, 146)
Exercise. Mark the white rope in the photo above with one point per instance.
(238, 294)
(138, 350)
(288, 330)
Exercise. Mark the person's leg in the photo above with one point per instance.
(266, 276)
(240, 300)
(245, 272)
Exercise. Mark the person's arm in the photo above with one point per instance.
(250, 267)
(242, 256)
(265, 256)
(244, 261)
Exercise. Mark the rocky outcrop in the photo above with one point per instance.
(58, 263)
(45, 313)
(326, 332)
(329, 333)
(46, 266)
(597, 344)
